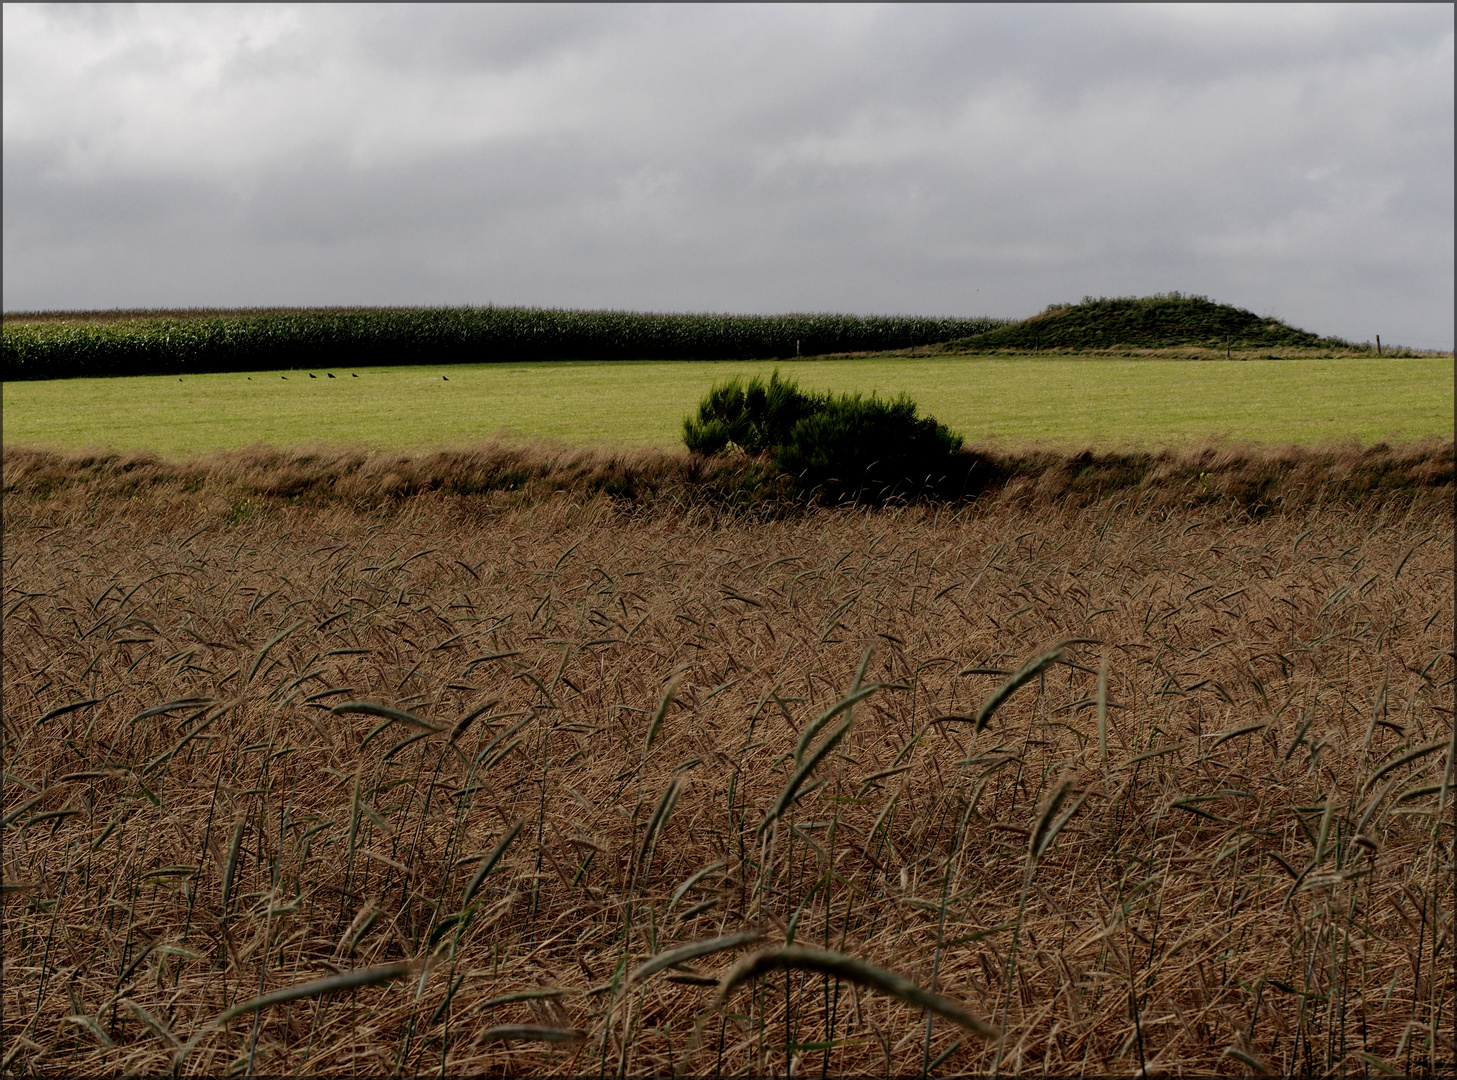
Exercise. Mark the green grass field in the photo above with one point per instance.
(1008, 402)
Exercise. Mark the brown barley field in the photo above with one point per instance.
(1063, 780)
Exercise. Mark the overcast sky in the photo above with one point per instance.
(935, 160)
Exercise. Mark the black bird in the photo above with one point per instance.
(331, 374)
(284, 378)
(353, 376)
(312, 375)
(179, 380)
(446, 378)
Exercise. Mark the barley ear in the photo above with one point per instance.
(490, 862)
(332, 984)
(1103, 711)
(1049, 821)
(658, 820)
(1033, 669)
(840, 966)
(659, 715)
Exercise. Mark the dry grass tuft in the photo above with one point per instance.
(493, 476)
(543, 852)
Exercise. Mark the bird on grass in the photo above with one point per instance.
(353, 376)
(284, 378)
(312, 375)
(445, 377)
(330, 374)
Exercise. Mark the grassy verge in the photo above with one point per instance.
(492, 476)
(1006, 401)
(604, 793)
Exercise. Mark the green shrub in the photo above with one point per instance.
(859, 447)
(757, 417)
(840, 446)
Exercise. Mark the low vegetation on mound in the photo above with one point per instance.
(1164, 321)
(66, 345)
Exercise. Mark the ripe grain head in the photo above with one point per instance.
(1261, 857)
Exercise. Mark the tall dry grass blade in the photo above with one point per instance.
(659, 715)
(167, 755)
(502, 737)
(155, 1026)
(1103, 711)
(332, 984)
(64, 709)
(543, 993)
(1450, 772)
(1371, 806)
(656, 822)
(230, 866)
(92, 1028)
(837, 966)
(1323, 834)
(1380, 1066)
(692, 880)
(1037, 839)
(370, 708)
(1406, 759)
(170, 706)
(1400, 566)
(1249, 1061)
(692, 951)
(1049, 823)
(857, 694)
(470, 718)
(791, 791)
(531, 1033)
(34, 800)
(1249, 729)
(1156, 752)
(1033, 668)
(1377, 708)
(267, 648)
(490, 861)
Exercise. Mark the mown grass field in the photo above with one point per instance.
(1063, 402)
(632, 815)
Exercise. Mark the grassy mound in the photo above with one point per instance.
(1165, 320)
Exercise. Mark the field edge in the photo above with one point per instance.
(1247, 476)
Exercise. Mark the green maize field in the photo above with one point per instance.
(61, 345)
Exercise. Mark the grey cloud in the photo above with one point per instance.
(932, 159)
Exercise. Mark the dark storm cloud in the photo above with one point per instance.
(937, 159)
